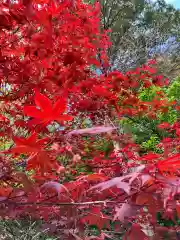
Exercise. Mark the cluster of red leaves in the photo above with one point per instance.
(48, 88)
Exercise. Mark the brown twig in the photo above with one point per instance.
(57, 204)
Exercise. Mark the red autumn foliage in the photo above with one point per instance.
(47, 112)
(46, 58)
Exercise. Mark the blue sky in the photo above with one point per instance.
(176, 3)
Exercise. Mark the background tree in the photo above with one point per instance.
(139, 29)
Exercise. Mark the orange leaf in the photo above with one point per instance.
(5, 191)
(144, 198)
(97, 177)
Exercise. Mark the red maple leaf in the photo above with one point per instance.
(150, 157)
(164, 125)
(39, 159)
(170, 164)
(101, 91)
(5, 192)
(42, 163)
(95, 217)
(45, 112)
(135, 233)
(28, 145)
(3, 119)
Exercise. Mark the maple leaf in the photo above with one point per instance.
(42, 163)
(38, 159)
(149, 157)
(164, 125)
(57, 187)
(76, 189)
(13, 52)
(178, 209)
(54, 9)
(135, 233)
(115, 182)
(3, 119)
(96, 177)
(171, 187)
(5, 192)
(93, 130)
(28, 145)
(118, 182)
(95, 217)
(171, 164)
(47, 112)
(126, 210)
(146, 179)
(145, 199)
(101, 91)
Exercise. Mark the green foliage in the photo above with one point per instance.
(167, 222)
(148, 94)
(151, 144)
(173, 92)
(144, 130)
(170, 116)
(24, 229)
(4, 145)
(103, 146)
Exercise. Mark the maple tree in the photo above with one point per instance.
(54, 167)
